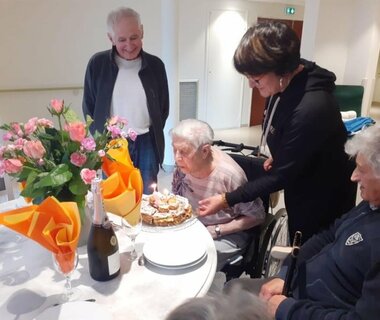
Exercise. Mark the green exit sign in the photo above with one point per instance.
(290, 10)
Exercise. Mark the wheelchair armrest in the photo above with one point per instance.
(280, 252)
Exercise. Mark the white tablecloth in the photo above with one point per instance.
(29, 283)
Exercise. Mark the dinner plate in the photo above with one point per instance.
(173, 249)
(76, 310)
(184, 266)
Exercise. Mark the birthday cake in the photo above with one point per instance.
(165, 209)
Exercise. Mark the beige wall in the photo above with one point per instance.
(47, 43)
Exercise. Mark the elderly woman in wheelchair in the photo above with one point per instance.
(204, 170)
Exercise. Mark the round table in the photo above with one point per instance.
(29, 284)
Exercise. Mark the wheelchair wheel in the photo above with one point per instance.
(279, 237)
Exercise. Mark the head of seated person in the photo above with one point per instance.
(195, 156)
(365, 147)
(192, 140)
(238, 304)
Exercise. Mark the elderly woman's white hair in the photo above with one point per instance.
(367, 143)
(238, 304)
(122, 12)
(195, 132)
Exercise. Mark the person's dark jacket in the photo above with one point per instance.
(338, 271)
(99, 82)
(306, 140)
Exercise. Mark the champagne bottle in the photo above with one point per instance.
(102, 244)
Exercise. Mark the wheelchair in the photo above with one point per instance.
(256, 261)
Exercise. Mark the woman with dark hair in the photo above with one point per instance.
(303, 134)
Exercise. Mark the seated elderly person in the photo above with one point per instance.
(204, 170)
(337, 273)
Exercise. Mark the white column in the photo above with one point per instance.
(169, 41)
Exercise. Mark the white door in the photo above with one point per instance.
(224, 85)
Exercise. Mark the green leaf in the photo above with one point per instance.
(30, 190)
(77, 186)
(55, 178)
(71, 116)
(27, 172)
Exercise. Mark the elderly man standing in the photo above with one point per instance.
(203, 170)
(338, 270)
(128, 82)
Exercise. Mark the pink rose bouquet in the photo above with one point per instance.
(57, 162)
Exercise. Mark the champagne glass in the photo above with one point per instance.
(65, 263)
(131, 226)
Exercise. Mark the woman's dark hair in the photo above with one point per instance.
(268, 47)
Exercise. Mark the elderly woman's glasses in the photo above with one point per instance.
(255, 80)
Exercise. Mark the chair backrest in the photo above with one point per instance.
(253, 169)
(349, 97)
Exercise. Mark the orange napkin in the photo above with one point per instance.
(122, 190)
(54, 225)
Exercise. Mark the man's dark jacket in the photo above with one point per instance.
(99, 82)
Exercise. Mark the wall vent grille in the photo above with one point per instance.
(188, 99)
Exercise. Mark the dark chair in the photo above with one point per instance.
(254, 260)
(349, 97)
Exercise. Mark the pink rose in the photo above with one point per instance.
(45, 123)
(16, 128)
(78, 159)
(115, 131)
(87, 175)
(113, 120)
(19, 143)
(12, 165)
(132, 134)
(57, 105)
(31, 126)
(88, 144)
(77, 131)
(8, 136)
(101, 153)
(34, 149)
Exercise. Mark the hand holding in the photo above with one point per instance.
(211, 205)
(271, 288)
(268, 164)
(273, 303)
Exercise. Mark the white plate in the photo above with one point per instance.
(173, 249)
(185, 266)
(76, 310)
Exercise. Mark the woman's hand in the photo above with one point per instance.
(268, 164)
(210, 205)
(271, 288)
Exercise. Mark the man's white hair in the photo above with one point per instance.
(367, 143)
(122, 12)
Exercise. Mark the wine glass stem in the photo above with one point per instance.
(68, 288)
(133, 253)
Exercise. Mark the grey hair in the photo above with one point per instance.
(239, 304)
(367, 143)
(196, 132)
(122, 12)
